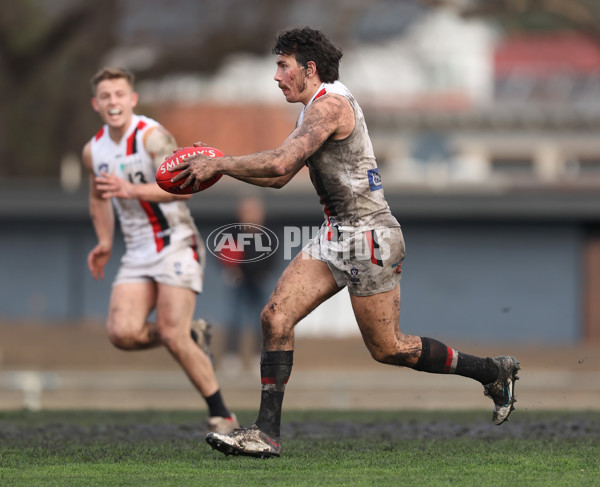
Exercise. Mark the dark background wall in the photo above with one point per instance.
(503, 277)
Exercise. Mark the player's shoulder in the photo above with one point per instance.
(335, 92)
(337, 88)
(334, 107)
(102, 131)
(334, 99)
(157, 140)
(94, 139)
(150, 128)
(86, 154)
(334, 103)
(144, 123)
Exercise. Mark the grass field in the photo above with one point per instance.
(83, 448)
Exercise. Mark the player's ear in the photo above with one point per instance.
(134, 99)
(311, 68)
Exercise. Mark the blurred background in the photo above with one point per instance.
(484, 116)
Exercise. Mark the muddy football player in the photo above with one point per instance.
(359, 246)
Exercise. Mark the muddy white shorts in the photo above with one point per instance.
(181, 267)
(368, 262)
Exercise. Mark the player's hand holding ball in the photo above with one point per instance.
(177, 174)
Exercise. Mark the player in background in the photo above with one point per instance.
(163, 265)
(248, 279)
(359, 246)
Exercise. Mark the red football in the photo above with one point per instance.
(164, 176)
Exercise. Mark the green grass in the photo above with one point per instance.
(79, 448)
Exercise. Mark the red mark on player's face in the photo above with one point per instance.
(291, 79)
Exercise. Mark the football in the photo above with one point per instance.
(164, 176)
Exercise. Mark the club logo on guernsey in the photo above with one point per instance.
(242, 242)
(374, 179)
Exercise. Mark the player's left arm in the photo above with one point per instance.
(159, 143)
(329, 116)
(271, 182)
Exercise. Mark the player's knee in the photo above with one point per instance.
(379, 354)
(267, 317)
(170, 337)
(121, 339)
(274, 324)
(398, 359)
(390, 356)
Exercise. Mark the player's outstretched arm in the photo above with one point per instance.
(322, 120)
(264, 182)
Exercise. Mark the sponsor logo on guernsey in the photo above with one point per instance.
(374, 179)
(398, 267)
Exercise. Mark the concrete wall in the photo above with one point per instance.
(464, 280)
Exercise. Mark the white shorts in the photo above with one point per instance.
(368, 262)
(182, 267)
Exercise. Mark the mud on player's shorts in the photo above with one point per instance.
(368, 262)
(181, 267)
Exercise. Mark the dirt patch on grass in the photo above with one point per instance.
(570, 426)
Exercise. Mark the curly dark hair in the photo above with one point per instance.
(311, 45)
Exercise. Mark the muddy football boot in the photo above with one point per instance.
(502, 390)
(201, 335)
(251, 442)
(218, 424)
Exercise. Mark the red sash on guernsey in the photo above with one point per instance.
(157, 219)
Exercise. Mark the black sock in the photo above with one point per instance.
(275, 369)
(216, 406)
(438, 358)
(482, 369)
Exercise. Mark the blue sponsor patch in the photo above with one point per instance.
(374, 179)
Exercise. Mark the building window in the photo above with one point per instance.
(512, 166)
(589, 166)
